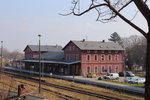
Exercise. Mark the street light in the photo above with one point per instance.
(39, 63)
(1, 57)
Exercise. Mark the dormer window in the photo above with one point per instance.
(116, 51)
(95, 51)
(102, 51)
(88, 51)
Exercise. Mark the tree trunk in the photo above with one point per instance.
(147, 83)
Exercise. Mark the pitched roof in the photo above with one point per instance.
(97, 45)
(45, 47)
(57, 55)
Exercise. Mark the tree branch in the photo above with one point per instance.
(143, 8)
(90, 8)
(125, 19)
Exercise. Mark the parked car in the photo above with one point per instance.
(137, 81)
(90, 75)
(121, 74)
(128, 73)
(128, 80)
(111, 76)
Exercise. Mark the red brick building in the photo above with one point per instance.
(95, 56)
(76, 58)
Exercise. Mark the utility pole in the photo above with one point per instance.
(1, 57)
(39, 63)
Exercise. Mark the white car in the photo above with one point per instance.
(137, 80)
(128, 79)
(112, 76)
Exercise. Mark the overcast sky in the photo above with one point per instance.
(22, 20)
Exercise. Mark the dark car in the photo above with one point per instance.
(121, 74)
(128, 73)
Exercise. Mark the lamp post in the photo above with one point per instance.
(1, 55)
(39, 63)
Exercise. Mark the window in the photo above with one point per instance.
(95, 69)
(88, 51)
(116, 69)
(109, 69)
(109, 57)
(95, 57)
(102, 57)
(88, 69)
(70, 48)
(116, 57)
(88, 57)
(103, 69)
(73, 48)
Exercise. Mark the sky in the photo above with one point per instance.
(22, 20)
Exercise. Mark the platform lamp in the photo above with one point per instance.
(39, 63)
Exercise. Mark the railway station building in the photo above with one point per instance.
(76, 58)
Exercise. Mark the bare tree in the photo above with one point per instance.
(108, 10)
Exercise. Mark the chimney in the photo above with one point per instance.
(103, 41)
(83, 40)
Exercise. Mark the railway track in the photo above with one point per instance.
(84, 92)
(58, 94)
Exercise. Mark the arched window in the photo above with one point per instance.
(109, 57)
(116, 57)
(109, 69)
(88, 69)
(95, 57)
(88, 57)
(102, 57)
(116, 69)
(102, 69)
(95, 69)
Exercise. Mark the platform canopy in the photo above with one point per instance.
(67, 62)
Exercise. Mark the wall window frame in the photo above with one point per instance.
(103, 69)
(116, 57)
(116, 69)
(109, 57)
(95, 57)
(102, 57)
(88, 69)
(109, 69)
(95, 69)
(88, 57)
